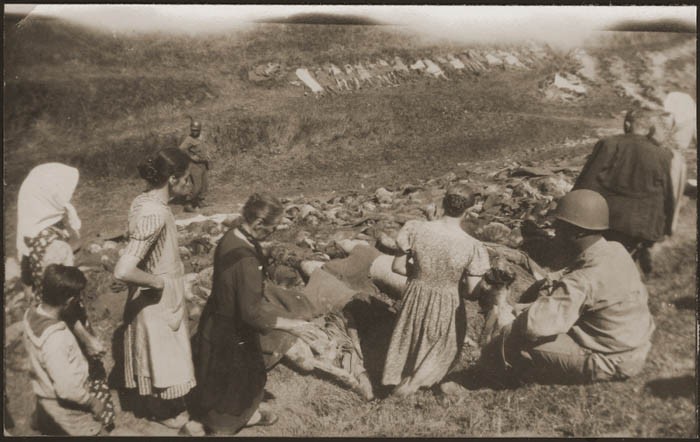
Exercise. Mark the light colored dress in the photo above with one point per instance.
(425, 339)
(157, 352)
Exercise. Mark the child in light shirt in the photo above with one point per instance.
(68, 401)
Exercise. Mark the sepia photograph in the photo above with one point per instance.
(350, 221)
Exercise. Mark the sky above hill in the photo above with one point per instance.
(554, 24)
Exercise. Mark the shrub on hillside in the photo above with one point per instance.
(81, 102)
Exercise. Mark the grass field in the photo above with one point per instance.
(101, 102)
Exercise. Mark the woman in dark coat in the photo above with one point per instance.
(229, 363)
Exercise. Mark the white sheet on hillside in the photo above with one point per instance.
(305, 76)
(512, 60)
(456, 63)
(493, 60)
(419, 65)
(399, 65)
(432, 68)
(563, 83)
(362, 72)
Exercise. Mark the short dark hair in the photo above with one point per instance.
(458, 199)
(262, 206)
(166, 163)
(61, 283)
(647, 122)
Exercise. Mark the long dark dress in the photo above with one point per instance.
(229, 363)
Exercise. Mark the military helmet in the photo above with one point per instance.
(584, 208)
(195, 125)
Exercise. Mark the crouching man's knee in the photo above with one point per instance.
(561, 360)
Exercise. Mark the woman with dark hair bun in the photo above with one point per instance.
(167, 163)
(157, 353)
(231, 373)
(430, 327)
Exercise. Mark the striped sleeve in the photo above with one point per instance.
(145, 232)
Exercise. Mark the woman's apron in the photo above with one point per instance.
(157, 341)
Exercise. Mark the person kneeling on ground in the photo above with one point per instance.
(593, 324)
(68, 402)
(430, 327)
(230, 366)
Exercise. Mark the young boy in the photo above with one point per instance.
(68, 402)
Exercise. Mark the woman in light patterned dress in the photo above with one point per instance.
(430, 327)
(157, 353)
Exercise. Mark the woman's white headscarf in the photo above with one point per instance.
(44, 198)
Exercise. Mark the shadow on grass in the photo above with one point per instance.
(375, 322)
(548, 252)
(476, 378)
(667, 388)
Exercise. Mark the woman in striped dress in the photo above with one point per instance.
(157, 353)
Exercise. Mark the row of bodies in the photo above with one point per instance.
(332, 78)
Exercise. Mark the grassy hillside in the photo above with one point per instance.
(81, 96)
(102, 102)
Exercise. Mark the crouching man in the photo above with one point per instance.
(593, 324)
(68, 401)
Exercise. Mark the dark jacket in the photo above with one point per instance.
(197, 149)
(634, 176)
(229, 366)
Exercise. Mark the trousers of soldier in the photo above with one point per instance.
(200, 181)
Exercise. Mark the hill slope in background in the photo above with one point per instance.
(77, 94)
(102, 102)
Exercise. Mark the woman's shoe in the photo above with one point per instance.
(192, 428)
(176, 422)
(452, 388)
(403, 390)
(267, 418)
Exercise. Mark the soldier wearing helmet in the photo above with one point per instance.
(633, 173)
(590, 324)
(198, 151)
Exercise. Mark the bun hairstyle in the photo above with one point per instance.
(166, 163)
(458, 199)
(262, 206)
